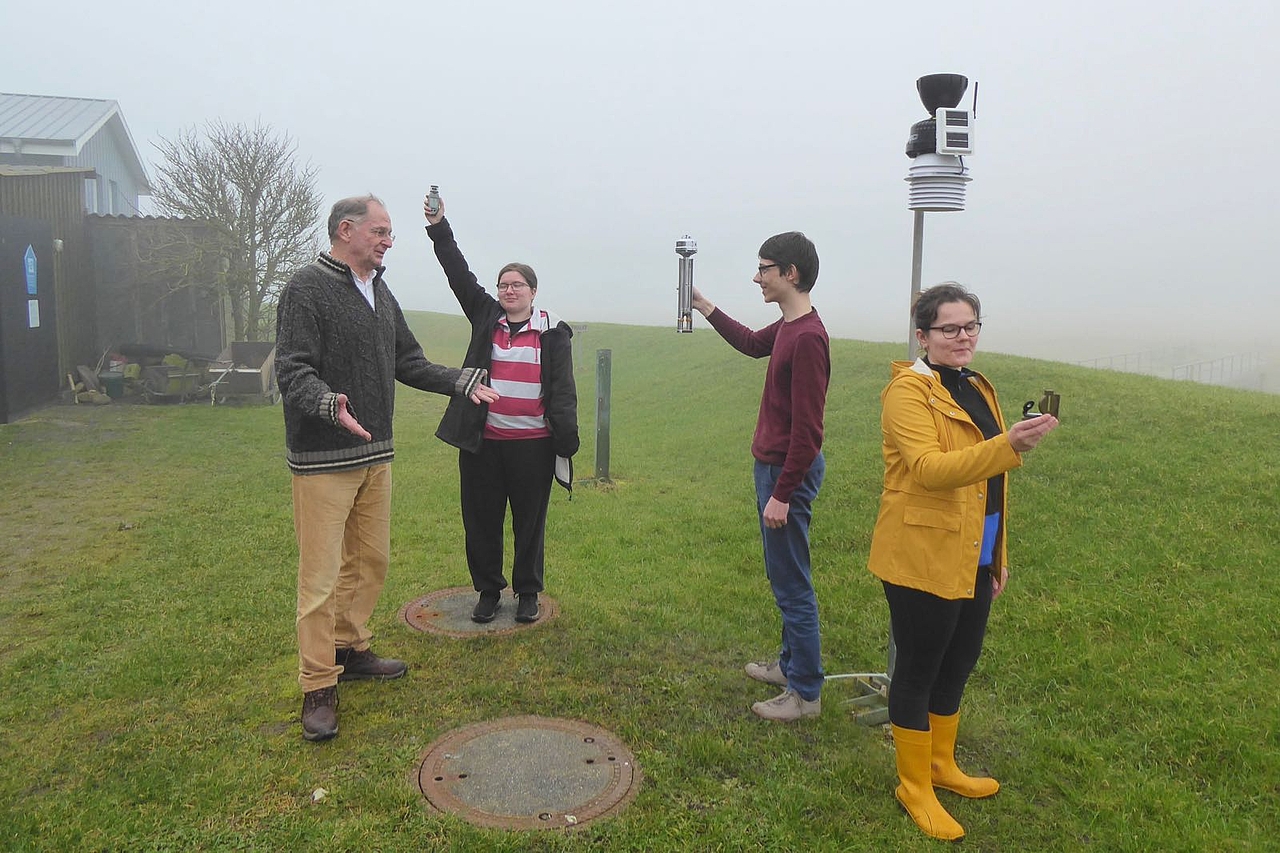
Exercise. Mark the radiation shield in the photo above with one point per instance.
(686, 248)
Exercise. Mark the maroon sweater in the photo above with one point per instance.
(789, 430)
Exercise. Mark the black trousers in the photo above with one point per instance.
(518, 473)
(939, 641)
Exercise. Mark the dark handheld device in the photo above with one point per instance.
(1048, 405)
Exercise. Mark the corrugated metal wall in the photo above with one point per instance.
(57, 198)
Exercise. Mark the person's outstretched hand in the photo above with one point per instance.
(1025, 435)
(702, 304)
(433, 218)
(483, 394)
(347, 421)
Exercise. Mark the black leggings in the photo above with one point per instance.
(938, 642)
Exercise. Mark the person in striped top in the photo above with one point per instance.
(507, 451)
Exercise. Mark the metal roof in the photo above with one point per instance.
(49, 119)
(45, 124)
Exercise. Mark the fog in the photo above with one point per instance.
(1124, 183)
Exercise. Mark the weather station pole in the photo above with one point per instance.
(917, 262)
(937, 180)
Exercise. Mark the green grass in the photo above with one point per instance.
(1126, 698)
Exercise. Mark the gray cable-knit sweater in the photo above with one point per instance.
(329, 342)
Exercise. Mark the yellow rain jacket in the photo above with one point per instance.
(928, 535)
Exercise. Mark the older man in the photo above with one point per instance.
(341, 345)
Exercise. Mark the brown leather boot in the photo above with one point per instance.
(365, 664)
(320, 713)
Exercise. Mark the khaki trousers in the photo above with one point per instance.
(343, 524)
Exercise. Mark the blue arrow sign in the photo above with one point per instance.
(29, 261)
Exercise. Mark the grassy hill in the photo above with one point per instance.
(1126, 698)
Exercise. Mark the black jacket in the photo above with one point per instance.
(463, 425)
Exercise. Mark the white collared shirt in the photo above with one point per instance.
(365, 287)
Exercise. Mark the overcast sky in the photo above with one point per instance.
(1124, 174)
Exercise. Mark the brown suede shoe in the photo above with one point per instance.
(358, 665)
(320, 713)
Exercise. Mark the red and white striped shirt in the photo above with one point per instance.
(516, 374)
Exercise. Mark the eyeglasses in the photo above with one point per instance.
(951, 332)
(511, 285)
(763, 267)
(380, 233)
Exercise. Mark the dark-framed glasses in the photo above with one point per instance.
(511, 285)
(763, 268)
(952, 331)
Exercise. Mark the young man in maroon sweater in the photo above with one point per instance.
(789, 466)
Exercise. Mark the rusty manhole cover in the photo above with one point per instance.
(528, 773)
(448, 612)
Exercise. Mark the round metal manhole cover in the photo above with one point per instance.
(448, 612)
(528, 773)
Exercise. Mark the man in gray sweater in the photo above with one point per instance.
(341, 345)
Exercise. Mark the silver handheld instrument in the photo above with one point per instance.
(686, 248)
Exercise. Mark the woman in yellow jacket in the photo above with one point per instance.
(939, 543)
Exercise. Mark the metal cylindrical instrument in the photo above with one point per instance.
(686, 248)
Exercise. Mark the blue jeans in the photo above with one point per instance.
(786, 562)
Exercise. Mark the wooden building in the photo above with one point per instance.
(60, 159)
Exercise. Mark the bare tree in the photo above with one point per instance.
(262, 206)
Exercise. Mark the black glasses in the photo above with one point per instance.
(513, 285)
(764, 267)
(951, 332)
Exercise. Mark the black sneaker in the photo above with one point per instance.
(487, 607)
(527, 610)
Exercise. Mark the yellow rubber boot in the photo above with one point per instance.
(916, 791)
(943, 767)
